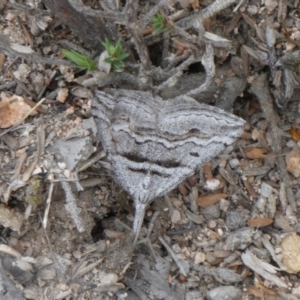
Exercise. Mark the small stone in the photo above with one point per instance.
(212, 224)
(291, 144)
(212, 184)
(109, 278)
(236, 219)
(271, 5)
(234, 163)
(252, 9)
(199, 258)
(266, 190)
(22, 72)
(224, 204)
(290, 246)
(210, 212)
(62, 95)
(210, 258)
(176, 217)
(225, 292)
(62, 165)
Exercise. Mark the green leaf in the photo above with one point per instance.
(119, 66)
(160, 23)
(123, 55)
(116, 55)
(80, 60)
(109, 60)
(107, 44)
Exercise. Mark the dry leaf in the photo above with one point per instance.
(262, 268)
(2, 60)
(255, 152)
(9, 218)
(252, 290)
(250, 188)
(265, 289)
(183, 189)
(13, 113)
(249, 20)
(293, 162)
(207, 171)
(208, 200)
(195, 4)
(295, 133)
(260, 222)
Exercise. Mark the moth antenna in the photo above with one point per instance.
(140, 209)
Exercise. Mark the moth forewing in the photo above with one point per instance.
(154, 145)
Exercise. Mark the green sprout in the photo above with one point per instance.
(116, 55)
(80, 60)
(160, 23)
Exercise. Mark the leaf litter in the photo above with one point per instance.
(228, 231)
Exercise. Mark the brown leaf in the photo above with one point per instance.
(9, 218)
(183, 189)
(207, 171)
(250, 188)
(208, 200)
(254, 153)
(234, 22)
(261, 222)
(2, 60)
(195, 4)
(295, 133)
(249, 20)
(252, 290)
(293, 162)
(13, 113)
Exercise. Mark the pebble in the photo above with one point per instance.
(234, 163)
(176, 217)
(225, 292)
(266, 190)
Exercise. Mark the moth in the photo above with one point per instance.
(155, 144)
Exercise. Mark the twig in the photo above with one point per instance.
(135, 33)
(151, 225)
(19, 165)
(178, 72)
(23, 87)
(48, 203)
(209, 65)
(169, 204)
(177, 261)
(259, 87)
(7, 85)
(208, 12)
(188, 37)
(46, 85)
(216, 7)
(72, 208)
(107, 14)
(91, 161)
(176, 61)
(40, 150)
(165, 49)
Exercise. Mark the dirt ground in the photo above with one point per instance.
(230, 231)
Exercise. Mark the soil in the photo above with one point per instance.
(230, 231)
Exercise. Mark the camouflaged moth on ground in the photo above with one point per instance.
(153, 145)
